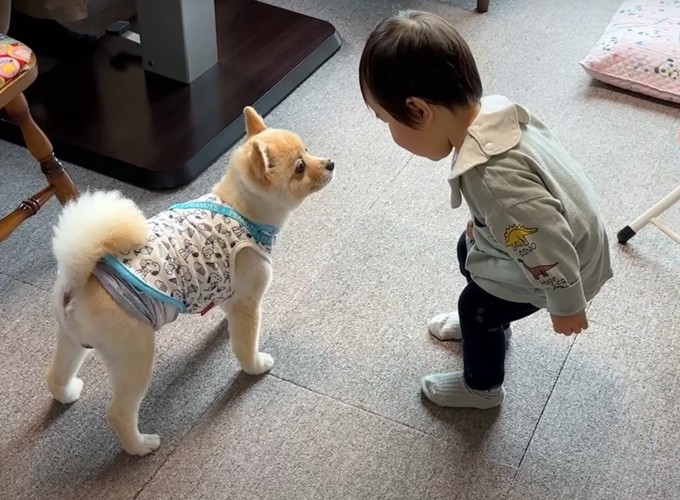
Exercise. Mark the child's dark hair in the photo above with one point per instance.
(418, 54)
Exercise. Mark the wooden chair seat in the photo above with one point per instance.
(16, 56)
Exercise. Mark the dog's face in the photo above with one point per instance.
(277, 164)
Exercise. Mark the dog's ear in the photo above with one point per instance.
(254, 122)
(261, 154)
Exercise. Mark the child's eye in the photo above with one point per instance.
(300, 167)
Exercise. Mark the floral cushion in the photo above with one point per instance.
(14, 59)
(640, 49)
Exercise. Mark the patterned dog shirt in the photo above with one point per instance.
(185, 265)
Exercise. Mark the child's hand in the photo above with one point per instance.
(566, 325)
(469, 232)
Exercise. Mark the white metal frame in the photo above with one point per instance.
(651, 216)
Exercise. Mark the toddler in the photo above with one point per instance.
(535, 240)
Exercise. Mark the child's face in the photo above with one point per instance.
(429, 139)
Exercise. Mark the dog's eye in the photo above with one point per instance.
(300, 167)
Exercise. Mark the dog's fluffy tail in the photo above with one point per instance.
(90, 227)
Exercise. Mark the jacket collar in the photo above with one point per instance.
(495, 130)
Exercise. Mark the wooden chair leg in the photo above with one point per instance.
(41, 148)
(482, 5)
(27, 209)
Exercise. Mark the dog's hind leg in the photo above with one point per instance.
(68, 355)
(61, 377)
(128, 354)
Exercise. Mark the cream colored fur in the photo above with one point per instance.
(263, 182)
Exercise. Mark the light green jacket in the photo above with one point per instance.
(538, 234)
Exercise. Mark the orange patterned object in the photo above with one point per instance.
(14, 59)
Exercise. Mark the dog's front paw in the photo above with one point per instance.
(145, 445)
(68, 393)
(263, 363)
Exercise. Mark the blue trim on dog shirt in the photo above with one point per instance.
(262, 233)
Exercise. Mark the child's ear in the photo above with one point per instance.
(420, 109)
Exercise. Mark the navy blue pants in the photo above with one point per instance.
(483, 318)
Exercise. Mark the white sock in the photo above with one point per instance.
(450, 390)
(447, 327)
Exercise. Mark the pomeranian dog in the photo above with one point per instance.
(121, 277)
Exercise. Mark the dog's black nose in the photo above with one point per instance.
(330, 165)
